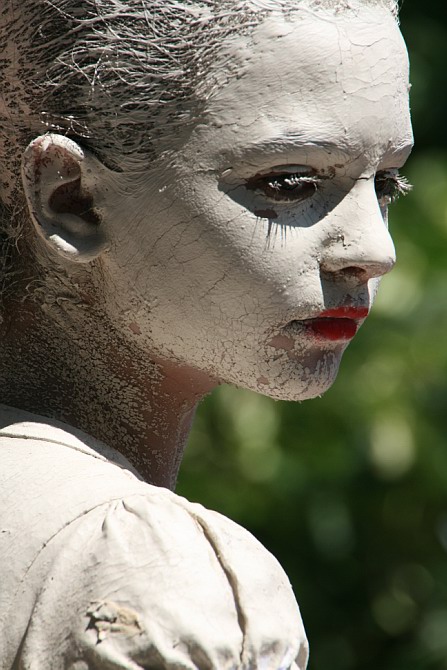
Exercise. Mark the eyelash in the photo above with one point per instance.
(296, 187)
(289, 187)
(390, 185)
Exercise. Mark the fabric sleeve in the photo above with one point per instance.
(105, 572)
(139, 584)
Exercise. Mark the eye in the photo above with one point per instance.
(286, 183)
(389, 185)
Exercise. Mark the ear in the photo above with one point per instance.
(62, 184)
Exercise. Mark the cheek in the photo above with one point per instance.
(249, 241)
(217, 298)
(218, 261)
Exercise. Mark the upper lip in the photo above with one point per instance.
(353, 313)
(344, 312)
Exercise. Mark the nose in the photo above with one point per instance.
(358, 242)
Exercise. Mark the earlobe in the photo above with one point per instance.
(62, 187)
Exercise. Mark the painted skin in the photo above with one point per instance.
(237, 265)
(196, 274)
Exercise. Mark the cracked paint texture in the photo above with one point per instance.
(198, 257)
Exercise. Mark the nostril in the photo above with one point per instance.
(349, 272)
(352, 270)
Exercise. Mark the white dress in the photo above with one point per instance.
(99, 570)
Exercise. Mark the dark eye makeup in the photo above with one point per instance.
(285, 187)
(299, 185)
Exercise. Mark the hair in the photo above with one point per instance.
(119, 75)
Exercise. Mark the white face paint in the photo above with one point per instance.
(271, 213)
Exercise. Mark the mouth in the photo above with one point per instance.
(337, 325)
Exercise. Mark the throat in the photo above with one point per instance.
(141, 406)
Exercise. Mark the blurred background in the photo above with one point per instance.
(349, 491)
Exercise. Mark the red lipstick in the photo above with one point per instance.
(354, 313)
(338, 324)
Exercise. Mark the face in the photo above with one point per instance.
(255, 254)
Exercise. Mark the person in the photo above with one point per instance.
(193, 193)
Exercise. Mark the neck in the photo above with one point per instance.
(138, 404)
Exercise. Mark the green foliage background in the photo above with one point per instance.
(350, 491)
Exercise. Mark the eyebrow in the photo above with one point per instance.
(299, 142)
(289, 140)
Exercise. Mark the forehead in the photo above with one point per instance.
(319, 76)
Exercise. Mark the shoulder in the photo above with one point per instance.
(110, 571)
(162, 581)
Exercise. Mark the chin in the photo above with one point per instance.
(296, 390)
(283, 378)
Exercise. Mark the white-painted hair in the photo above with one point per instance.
(121, 76)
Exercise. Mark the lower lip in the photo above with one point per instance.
(333, 329)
